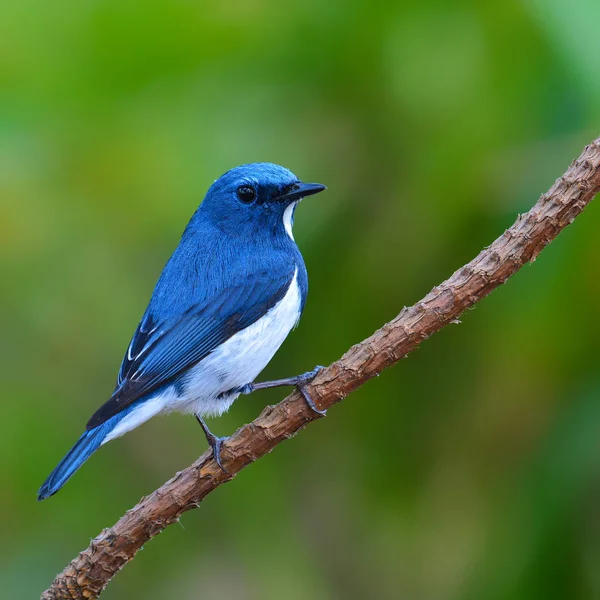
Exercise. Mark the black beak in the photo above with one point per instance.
(300, 190)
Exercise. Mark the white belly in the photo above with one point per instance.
(240, 359)
(233, 364)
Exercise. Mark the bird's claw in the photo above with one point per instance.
(301, 386)
(216, 443)
(299, 382)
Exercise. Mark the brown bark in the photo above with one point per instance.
(89, 573)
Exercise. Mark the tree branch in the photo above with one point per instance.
(89, 573)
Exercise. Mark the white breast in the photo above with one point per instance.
(233, 364)
(240, 359)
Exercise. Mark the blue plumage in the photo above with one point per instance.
(226, 299)
(85, 446)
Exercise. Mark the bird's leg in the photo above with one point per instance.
(214, 442)
(299, 381)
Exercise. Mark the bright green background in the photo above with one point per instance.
(471, 471)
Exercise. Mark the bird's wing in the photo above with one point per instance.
(161, 350)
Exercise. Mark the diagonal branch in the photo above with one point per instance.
(89, 573)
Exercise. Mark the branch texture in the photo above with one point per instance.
(89, 573)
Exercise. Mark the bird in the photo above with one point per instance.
(227, 298)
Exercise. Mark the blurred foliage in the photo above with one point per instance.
(469, 471)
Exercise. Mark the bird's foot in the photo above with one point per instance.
(214, 442)
(299, 382)
(301, 386)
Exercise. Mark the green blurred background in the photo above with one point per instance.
(471, 471)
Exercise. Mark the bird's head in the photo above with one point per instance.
(256, 197)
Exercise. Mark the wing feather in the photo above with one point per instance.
(160, 350)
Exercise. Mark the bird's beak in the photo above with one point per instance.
(301, 190)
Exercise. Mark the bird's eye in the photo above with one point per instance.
(246, 193)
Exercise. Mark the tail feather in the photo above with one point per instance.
(85, 446)
(92, 439)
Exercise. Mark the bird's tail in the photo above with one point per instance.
(85, 446)
(130, 417)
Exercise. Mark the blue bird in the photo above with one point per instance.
(226, 300)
